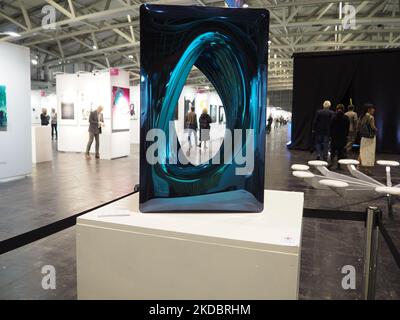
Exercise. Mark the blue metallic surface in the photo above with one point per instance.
(230, 47)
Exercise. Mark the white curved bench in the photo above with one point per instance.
(394, 191)
(303, 174)
(317, 163)
(300, 167)
(388, 163)
(333, 183)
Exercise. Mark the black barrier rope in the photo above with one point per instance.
(392, 248)
(52, 228)
(335, 215)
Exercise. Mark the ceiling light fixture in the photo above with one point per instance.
(94, 47)
(34, 62)
(11, 34)
(245, 5)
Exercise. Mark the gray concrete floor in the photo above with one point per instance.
(70, 185)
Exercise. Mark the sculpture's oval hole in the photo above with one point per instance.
(203, 144)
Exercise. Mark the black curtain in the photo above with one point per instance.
(371, 76)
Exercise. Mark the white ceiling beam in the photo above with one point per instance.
(60, 48)
(12, 20)
(80, 32)
(25, 14)
(72, 8)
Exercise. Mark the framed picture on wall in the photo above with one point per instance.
(221, 115)
(176, 114)
(213, 113)
(120, 112)
(67, 111)
(86, 106)
(3, 109)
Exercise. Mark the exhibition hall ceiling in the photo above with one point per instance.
(89, 35)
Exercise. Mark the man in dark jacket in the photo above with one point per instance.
(321, 130)
(96, 122)
(339, 131)
(191, 125)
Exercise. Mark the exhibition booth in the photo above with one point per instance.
(15, 115)
(357, 77)
(42, 150)
(78, 95)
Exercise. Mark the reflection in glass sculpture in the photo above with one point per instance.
(229, 46)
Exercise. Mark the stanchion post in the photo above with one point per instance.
(390, 206)
(371, 252)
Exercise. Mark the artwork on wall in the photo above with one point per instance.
(85, 106)
(85, 113)
(213, 113)
(230, 47)
(3, 109)
(221, 113)
(121, 112)
(176, 115)
(67, 111)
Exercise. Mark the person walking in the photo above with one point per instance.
(191, 125)
(339, 132)
(269, 124)
(367, 130)
(321, 130)
(44, 117)
(353, 118)
(96, 122)
(54, 124)
(276, 123)
(204, 122)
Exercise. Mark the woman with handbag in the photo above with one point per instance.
(367, 130)
(204, 121)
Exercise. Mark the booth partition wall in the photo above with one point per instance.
(362, 76)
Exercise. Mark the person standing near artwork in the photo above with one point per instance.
(367, 130)
(269, 124)
(339, 131)
(191, 125)
(204, 121)
(44, 117)
(54, 124)
(321, 130)
(353, 118)
(96, 122)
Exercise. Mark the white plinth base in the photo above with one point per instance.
(124, 254)
(41, 144)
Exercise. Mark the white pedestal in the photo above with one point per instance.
(135, 132)
(124, 254)
(41, 144)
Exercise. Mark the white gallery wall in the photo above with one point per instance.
(84, 92)
(15, 139)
